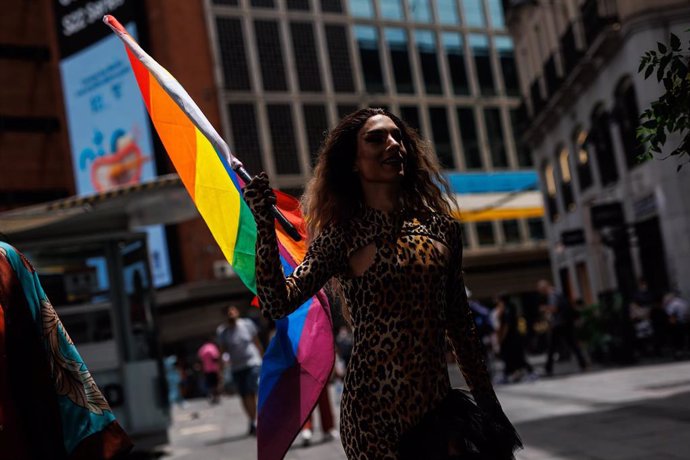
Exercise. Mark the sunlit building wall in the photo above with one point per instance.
(290, 69)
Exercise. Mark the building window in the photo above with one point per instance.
(551, 201)
(584, 169)
(283, 138)
(494, 132)
(447, 11)
(232, 54)
(316, 123)
(455, 55)
(511, 231)
(627, 116)
(482, 63)
(506, 57)
(536, 229)
(297, 5)
(396, 40)
(346, 109)
(420, 10)
(341, 69)
(331, 6)
(392, 9)
(362, 8)
(306, 59)
(262, 3)
(245, 136)
(439, 129)
(426, 47)
(600, 137)
(517, 122)
(270, 55)
(367, 40)
(485, 233)
(496, 14)
(410, 114)
(474, 13)
(470, 143)
(226, 2)
(566, 178)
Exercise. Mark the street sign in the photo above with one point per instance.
(573, 237)
(607, 215)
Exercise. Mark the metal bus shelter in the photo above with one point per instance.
(93, 263)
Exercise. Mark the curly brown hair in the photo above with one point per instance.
(334, 193)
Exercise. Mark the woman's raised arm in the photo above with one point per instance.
(279, 296)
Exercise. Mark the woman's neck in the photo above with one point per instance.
(382, 196)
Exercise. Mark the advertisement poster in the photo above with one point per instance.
(109, 131)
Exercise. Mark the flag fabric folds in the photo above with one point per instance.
(299, 359)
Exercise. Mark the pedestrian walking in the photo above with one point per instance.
(239, 338)
(325, 408)
(209, 355)
(561, 318)
(381, 227)
(678, 311)
(510, 343)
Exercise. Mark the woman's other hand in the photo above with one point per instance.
(260, 197)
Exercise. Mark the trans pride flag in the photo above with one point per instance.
(299, 359)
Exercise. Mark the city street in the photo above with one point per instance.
(635, 413)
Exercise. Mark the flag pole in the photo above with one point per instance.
(187, 104)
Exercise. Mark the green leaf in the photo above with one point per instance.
(675, 42)
(648, 72)
(662, 47)
(642, 64)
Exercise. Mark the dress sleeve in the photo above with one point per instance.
(469, 351)
(279, 296)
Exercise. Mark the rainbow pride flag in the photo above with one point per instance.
(299, 359)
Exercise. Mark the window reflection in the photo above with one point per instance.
(270, 55)
(441, 135)
(391, 9)
(362, 8)
(511, 231)
(474, 13)
(485, 233)
(455, 55)
(339, 57)
(496, 14)
(396, 40)
(448, 11)
(506, 57)
(494, 132)
(536, 229)
(482, 63)
(410, 115)
(426, 47)
(283, 138)
(367, 40)
(306, 58)
(420, 10)
(468, 133)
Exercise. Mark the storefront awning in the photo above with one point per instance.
(160, 201)
(496, 195)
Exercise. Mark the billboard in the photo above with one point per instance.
(108, 127)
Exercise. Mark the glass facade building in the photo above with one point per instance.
(289, 69)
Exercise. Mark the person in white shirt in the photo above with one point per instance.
(238, 337)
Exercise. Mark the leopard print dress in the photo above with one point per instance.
(402, 308)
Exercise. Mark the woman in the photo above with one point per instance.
(382, 229)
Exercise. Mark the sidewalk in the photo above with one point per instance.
(636, 413)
